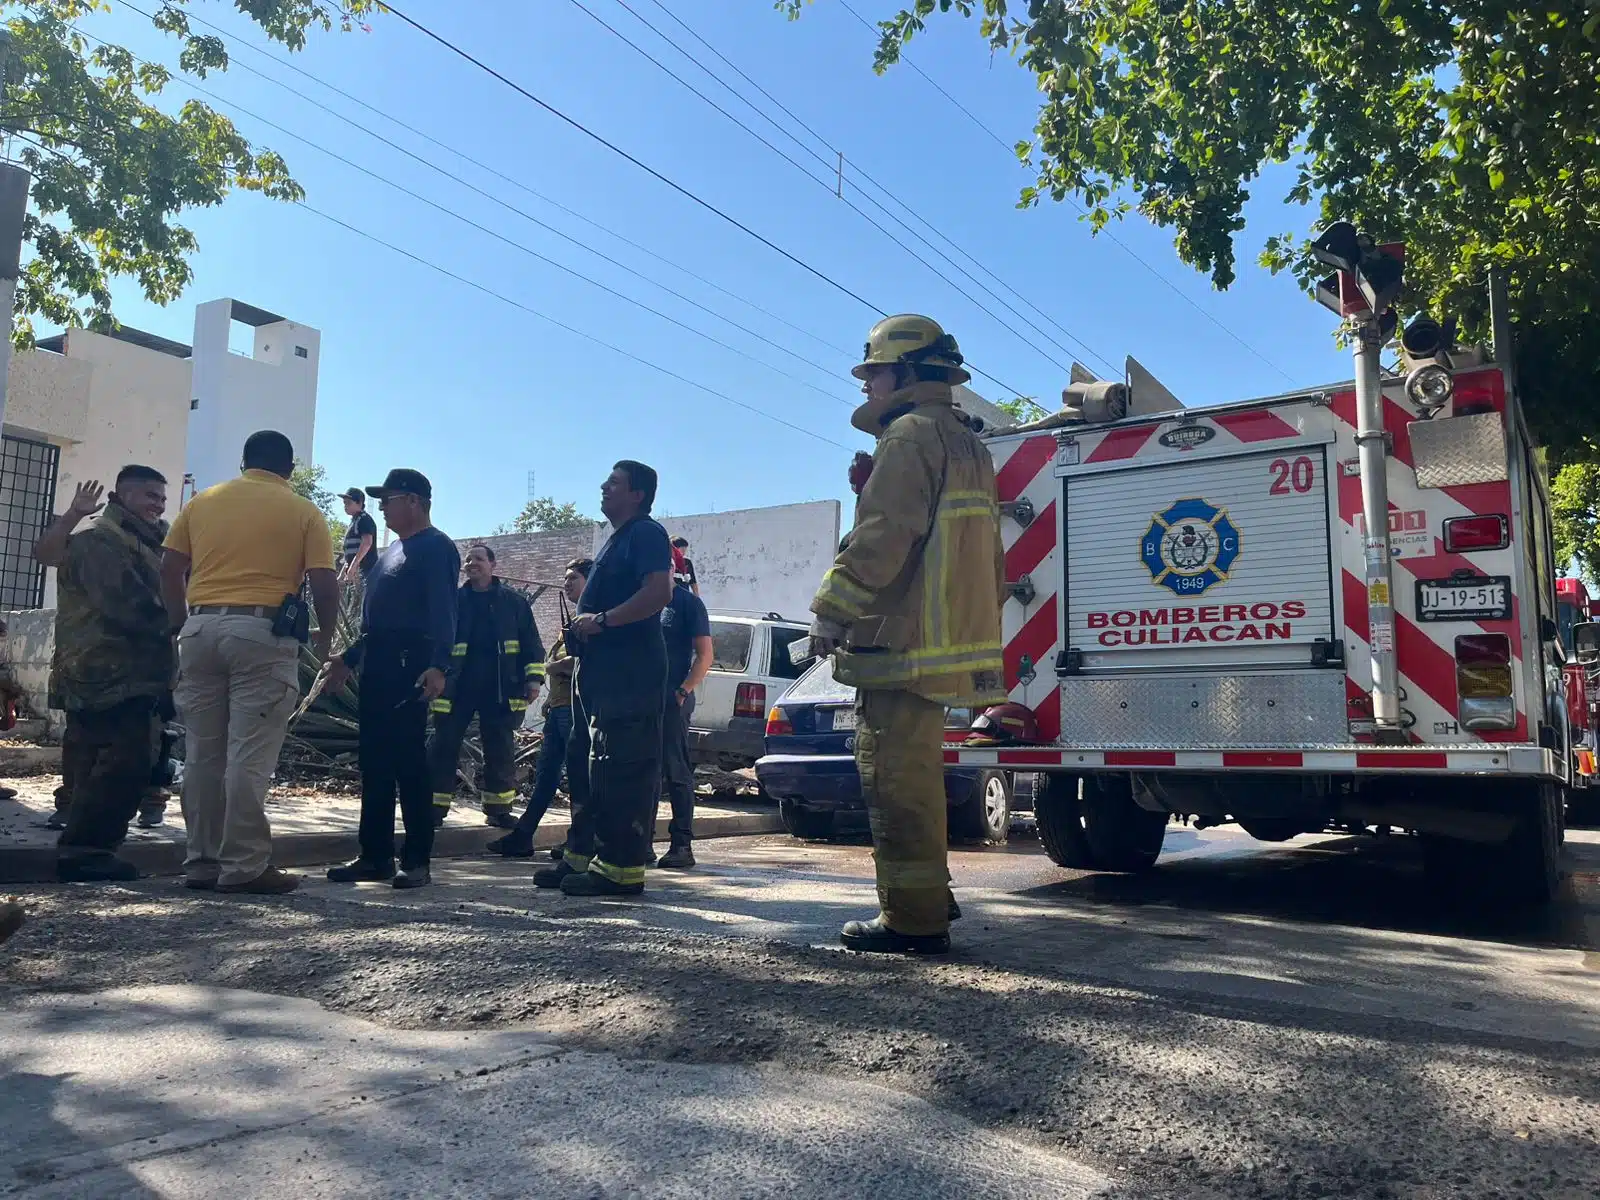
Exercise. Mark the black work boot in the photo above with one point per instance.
(551, 877)
(679, 858)
(557, 853)
(151, 817)
(874, 937)
(439, 814)
(500, 818)
(95, 868)
(412, 877)
(361, 871)
(513, 845)
(592, 883)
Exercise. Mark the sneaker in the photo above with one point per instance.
(361, 871)
(200, 883)
(11, 918)
(271, 882)
(511, 846)
(679, 858)
(149, 820)
(499, 818)
(98, 868)
(56, 820)
(8, 793)
(874, 937)
(411, 877)
(551, 877)
(592, 883)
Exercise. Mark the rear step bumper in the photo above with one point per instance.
(1489, 759)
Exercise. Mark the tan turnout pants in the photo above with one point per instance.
(900, 757)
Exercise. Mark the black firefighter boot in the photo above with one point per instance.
(874, 937)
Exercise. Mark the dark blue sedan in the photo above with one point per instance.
(810, 767)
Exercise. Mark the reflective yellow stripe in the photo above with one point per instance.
(840, 592)
(619, 874)
(497, 797)
(443, 799)
(459, 650)
(578, 862)
(440, 705)
(518, 705)
(512, 647)
(534, 670)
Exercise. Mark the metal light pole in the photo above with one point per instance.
(1372, 448)
(13, 205)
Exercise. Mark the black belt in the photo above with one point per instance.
(268, 611)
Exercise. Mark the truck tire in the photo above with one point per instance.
(985, 815)
(804, 823)
(1122, 836)
(1522, 871)
(1059, 817)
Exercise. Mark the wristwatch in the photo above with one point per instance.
(682, 693)
(600, 620)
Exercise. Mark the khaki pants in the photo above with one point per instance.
(900, 757)
(237, 686)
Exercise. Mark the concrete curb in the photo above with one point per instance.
(37, 864)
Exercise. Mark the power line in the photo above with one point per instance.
(1045, 354)
(675, 186)
(488, 291)
(1083, 347)
(1133, 254)
(433, 166)
(512, 242)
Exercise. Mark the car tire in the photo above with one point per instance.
(985, 815)
(1122, 836)
(804, 823)
(1059, 818)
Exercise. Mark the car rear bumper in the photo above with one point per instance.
(830, 782)
(745, 737)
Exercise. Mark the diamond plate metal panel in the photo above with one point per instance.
(1454, 451)
(1267, 711)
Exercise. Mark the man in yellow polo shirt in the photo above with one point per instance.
(235, 553)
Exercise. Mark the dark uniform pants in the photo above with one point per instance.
(552, 759)
(393, 751)
(106, 757)
(676, 768)
(497, 726)
(614, 776)
(900, 757)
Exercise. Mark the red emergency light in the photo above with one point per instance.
(1485, 532)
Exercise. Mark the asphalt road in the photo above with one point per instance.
(1245, 1021)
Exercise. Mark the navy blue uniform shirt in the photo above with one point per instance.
(413, 590)
(681, 622)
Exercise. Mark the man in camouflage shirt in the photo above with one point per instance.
(112, 673)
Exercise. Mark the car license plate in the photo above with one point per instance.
(843, 718)
(1487, 598)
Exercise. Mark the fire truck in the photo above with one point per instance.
(1331, 609)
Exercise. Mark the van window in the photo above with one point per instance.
(730, 645)
(782, 637)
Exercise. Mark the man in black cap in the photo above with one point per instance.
(360, 551)
(408, 624)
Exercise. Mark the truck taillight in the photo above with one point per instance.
(1483, 681)
(1492, 532)
(778, 724)
(750, 700)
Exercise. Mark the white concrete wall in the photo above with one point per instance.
(47, 397)
(28, 645)
(235, 396)
(761, 559)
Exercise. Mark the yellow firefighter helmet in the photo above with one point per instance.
(912, 340)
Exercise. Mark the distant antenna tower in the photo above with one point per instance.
(531, 492)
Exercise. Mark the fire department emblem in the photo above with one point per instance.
(1189, 547)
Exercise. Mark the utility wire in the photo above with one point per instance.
(433, 166)
(675, 186)
(488, 291)
(512, 242)
(1084, 349)
(999, 320)
(1133, 254)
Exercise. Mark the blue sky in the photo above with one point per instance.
(421, 370)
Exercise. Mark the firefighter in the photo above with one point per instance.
(496, 671)
(910, 611)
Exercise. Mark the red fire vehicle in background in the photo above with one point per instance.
(1206, 623)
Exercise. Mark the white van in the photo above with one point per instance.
(750, 669)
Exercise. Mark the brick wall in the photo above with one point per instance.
(524, 560)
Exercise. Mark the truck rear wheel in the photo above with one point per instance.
(1060, 821)
(1122, 836)
(1524, 870)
